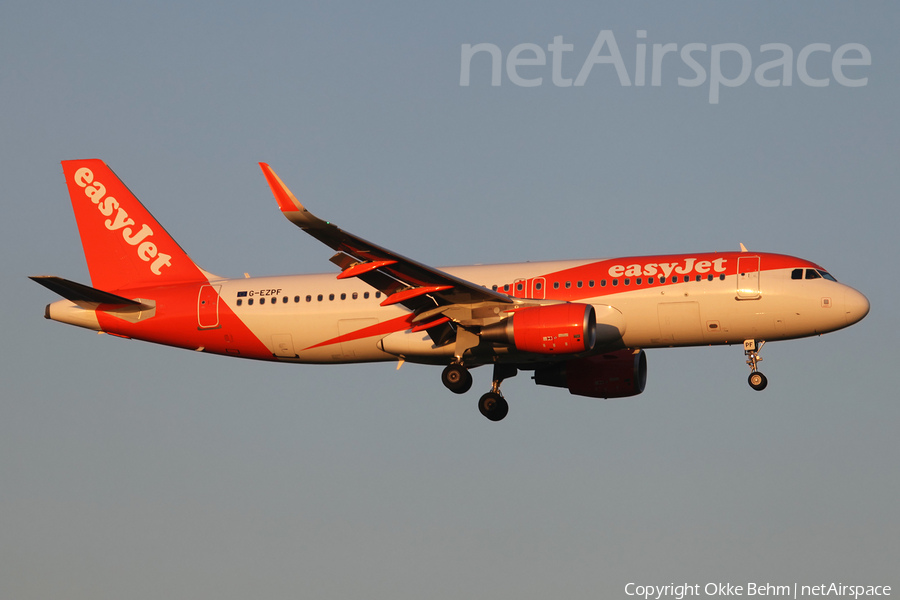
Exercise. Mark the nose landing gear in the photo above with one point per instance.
(752, 349)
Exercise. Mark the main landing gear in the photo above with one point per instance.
(492, 405)
(457, 379)
(752, 349)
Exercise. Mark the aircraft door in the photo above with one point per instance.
(679, 322)
(208, 307)
(537, 288)
(520, 288)
(748, 278)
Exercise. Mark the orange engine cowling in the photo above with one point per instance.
(554, 329)
(611, 375)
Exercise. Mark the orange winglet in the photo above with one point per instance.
(287, 202)
(362, 268)
(429, 324)
(413, 293)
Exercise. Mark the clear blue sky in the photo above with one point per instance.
(136, 471)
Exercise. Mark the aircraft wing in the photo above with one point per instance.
(403, 280)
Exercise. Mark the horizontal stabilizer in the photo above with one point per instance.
(77, 292)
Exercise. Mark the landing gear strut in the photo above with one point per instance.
(752, 349)
(457, 379)
(493, 405)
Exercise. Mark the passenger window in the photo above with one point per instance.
(262, 300)
(239, 302)
(366, 295)
(722, 276)
(331, 296)
(355, 295)
(638, 281)
(343, 296)
(591, 283)
(627, 281)
(797, 274)
(709, 277)
(506, 287)
(494, 287)
(284, 301)
(687, 278)
(319, 297)
(309, 298)
(602, 283)
(615, 282)
(568, 284)
(250, 301)
(650, 280)
(699, 277)
(580, 284)
(378, 294)
(662, 279)
(297, 299)
(555, 285)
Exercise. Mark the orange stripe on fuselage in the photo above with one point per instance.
(643, 267)
(398, 324)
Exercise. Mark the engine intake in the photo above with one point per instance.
(567, 328)
(610, 375)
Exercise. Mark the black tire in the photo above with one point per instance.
(457, 379)
(493, 406)
(757, 381)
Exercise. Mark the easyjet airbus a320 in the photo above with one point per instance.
(582, 325)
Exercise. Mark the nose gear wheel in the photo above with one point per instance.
(752, 349)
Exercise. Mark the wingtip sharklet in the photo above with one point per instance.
(285, 198)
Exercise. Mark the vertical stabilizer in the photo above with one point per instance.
(124, 245)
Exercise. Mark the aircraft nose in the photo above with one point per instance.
(856, 306)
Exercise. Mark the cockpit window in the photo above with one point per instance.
(827, 275)
(812, 274)
(797, 274)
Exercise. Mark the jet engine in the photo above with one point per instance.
(567, 328)
(610, 375)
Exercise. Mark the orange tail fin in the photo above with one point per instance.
(124, 245)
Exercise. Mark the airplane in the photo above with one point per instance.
(581, 325)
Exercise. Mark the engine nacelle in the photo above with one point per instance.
(611, 375)
(554, 329)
